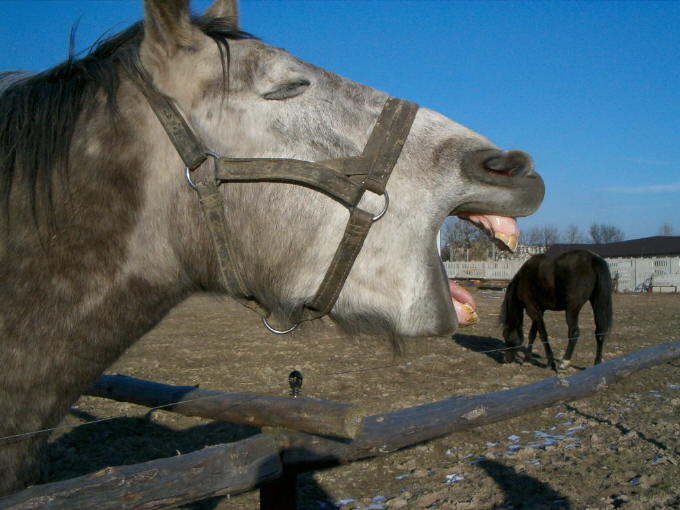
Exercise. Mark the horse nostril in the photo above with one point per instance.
(511, 163)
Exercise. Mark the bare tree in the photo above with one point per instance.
(532, 236)
(602, 233)
(464, 241)
(573, 235)
(545, 235)
(666, 229)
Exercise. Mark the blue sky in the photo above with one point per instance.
(590, 88)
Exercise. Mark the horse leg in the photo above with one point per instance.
(602, 325)
(573, 332)
(600, 346)
(532, 336)
(537, 318)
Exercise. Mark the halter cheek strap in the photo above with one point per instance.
(344, 179)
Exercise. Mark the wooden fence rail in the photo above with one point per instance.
(302, 414)
(240, 466)
(229, 468)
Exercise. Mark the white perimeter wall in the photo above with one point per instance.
(632, 273)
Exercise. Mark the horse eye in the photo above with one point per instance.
(287, 90)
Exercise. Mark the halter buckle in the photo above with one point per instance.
(187, 170)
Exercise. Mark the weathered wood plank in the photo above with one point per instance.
(302, 414)
(384, 433)
(217, 470)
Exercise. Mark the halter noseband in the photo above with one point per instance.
(343, 179)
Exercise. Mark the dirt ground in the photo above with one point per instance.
(618, 449)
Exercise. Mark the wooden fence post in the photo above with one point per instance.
(280, 494)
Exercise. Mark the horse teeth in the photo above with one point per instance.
(510, 241)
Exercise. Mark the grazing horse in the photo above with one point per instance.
(564, 282)
(109, 217)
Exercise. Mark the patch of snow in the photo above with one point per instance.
(341, 502)
(453, 478)
(573, 430)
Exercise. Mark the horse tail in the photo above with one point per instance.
(508, 306)
(601, 298)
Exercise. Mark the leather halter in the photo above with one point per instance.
(343, 179)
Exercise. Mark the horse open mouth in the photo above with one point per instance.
(504, 232)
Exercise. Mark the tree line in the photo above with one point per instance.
(463, 241)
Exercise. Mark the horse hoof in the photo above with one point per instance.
(563, 365)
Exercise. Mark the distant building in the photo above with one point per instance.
(657, 246)
(650, 264)
(523, 252)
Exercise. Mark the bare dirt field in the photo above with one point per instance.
(618, 449)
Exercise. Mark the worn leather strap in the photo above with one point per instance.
(313, 175)
(331, 177)
(386, 141)
(327, 294)
(212, 206)
(344, 179)
(188, 146)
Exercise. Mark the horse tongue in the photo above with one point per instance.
(503, 229)
(464, 304)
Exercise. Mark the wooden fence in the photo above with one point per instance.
(658, 274)
(300, 435)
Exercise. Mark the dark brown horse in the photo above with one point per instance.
(564, 282)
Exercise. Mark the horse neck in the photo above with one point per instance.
(110, 269)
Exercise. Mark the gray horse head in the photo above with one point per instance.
(280, 106)
(100, 235)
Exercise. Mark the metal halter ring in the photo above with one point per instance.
(187, 170)
(276, 331)
(387, 204)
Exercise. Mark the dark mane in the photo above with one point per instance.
(39, 113)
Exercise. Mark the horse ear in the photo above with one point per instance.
(167, 29)
(224, 9)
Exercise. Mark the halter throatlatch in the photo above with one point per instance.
(344, 179)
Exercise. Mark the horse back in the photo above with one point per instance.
(579, 274)
(558, 283)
